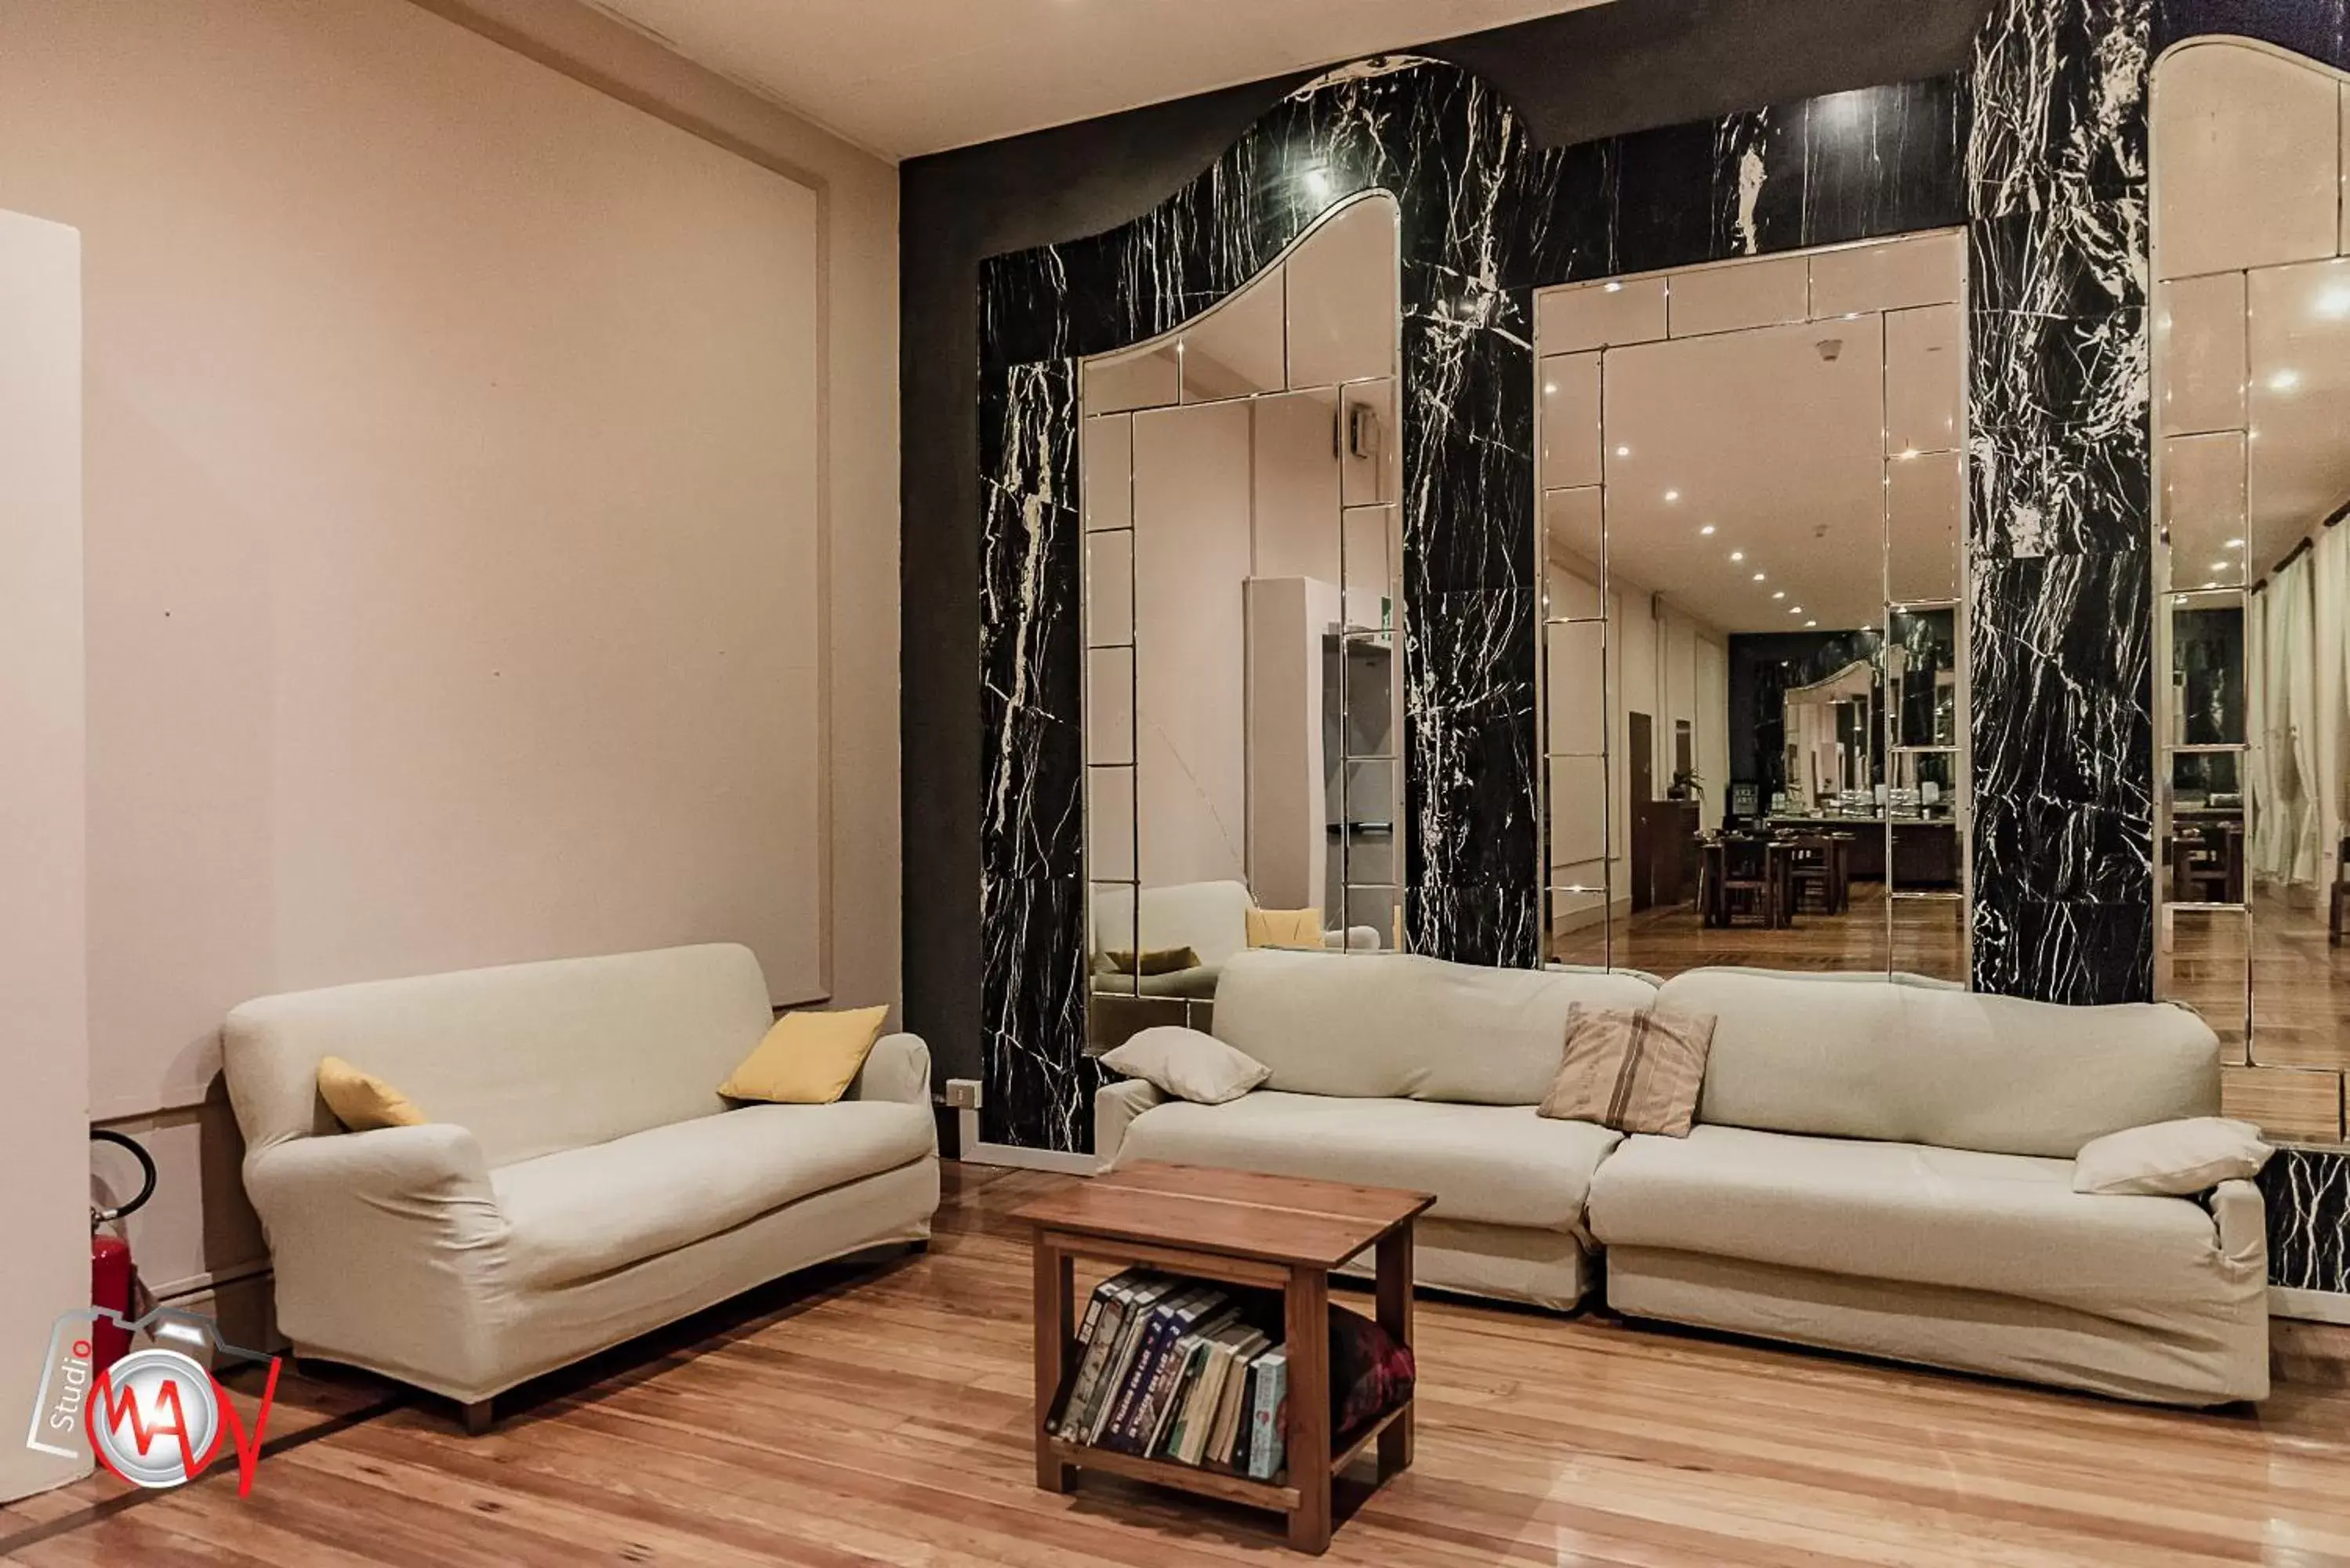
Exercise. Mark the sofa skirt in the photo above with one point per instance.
(2170, 1353)
(1549, 1269)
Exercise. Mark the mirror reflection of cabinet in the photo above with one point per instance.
(1242, 615)
(1752, 497)
(2252, 389)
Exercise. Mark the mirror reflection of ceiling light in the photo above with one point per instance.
(1795, 609)
(2220, 566)
(1550, 388)
(1811, 623)
(1672, 495)
(1907, 452)
(1779, 593)
(1758, 577)
(1738, 554)
(2284, 381)
(1614, 288)
(2334, 303)
(2235, 544)
(1623, 451)
(1317, 182)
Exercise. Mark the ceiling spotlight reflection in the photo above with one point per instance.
(2235, 544)
(2284, 381)
(1811, 623)
(1907, 452)
(2334, 303)
(1614, 288)
(1758, 577)
(1672, 495)
(1708, 529)
(1623, 451)
(1550, 388)
(1738, 554)
(1779, 593)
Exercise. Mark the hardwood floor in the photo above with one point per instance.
(1923, 938)
(883, 1416)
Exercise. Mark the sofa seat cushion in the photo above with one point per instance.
(586, 1211)
(1494, 1165)
(2010, 1224)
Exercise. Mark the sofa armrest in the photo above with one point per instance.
(388, 1248)
(1115, 1107)
(2241, 1216)
(896, 1068)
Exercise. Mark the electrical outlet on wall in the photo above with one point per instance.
(963, 1093)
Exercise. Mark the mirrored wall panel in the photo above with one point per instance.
(2251, 387)
(1754, 709)
(1243, 620)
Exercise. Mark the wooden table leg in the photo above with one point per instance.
(1053, 1330)
(1395, 1317)
(1308, 1441)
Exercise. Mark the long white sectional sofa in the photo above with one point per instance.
(1879, 1167)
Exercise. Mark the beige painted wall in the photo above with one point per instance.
(492, 527)
(45, 1234)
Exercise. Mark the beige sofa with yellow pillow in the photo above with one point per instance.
(581, 1182)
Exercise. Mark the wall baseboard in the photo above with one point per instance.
(971, 1150)
(2309, 1306)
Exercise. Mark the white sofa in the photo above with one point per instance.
(582, 1181)
(1889, 1169)
(1208, 918)
(1880, 1166)
(1392, 1070)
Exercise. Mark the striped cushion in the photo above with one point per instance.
(1638, 1072)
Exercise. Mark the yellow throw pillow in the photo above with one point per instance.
(363, 1102)
(807, 1058)
(1285, 928)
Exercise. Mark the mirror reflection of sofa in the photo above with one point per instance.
(1210, 918)
(1878, 1166)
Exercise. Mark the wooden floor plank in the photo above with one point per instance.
(880, 1415)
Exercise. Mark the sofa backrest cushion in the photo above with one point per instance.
(1955, 1069)
(1208, 918)
(531, 1058)
(1398, 1026)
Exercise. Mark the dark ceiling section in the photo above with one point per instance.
(1630, 65)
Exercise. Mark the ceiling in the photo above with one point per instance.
(903, 77)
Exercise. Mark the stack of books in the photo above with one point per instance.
(1175, 1369)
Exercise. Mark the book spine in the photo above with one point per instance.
(1172, 1378)
(1137, 1383)
(1089, 1367)
(1245, 1427)
(1267, 1415)
(1095, 1307)
(1113, 1373)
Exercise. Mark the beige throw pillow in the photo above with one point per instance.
(1285, 928)
(2170, 1159)
(1152, 961)
(1636, 1071)
(1188, 1065)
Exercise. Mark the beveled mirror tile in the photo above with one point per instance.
(1570, 421)
(1145, 378)
(1109, 822)
(1925, 513)
(1109, 705)
(1294, 479)
(2298, 342)
(1372, 557)
(2206, 692)
(1111, 912)
(1599, 315)
(1578, 823)
(1375, 919)
(2203, 958)
(1571, 521)
(1925, 378)
(2200, 354)
(1240, 346)
(2203, 510)
(1928, 937)
(2234, 189)
(1573, 683)
(1370, 454)
(1109, 588)
(1889, 275)
(1105, 449)
(1343, 284)
(1739, 293)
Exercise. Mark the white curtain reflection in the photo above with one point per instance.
(2300, 718)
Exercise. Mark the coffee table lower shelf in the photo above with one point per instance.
(1278, 1495)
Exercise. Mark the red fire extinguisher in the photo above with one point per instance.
(113, 1281)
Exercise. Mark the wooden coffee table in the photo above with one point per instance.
(1275, 1231)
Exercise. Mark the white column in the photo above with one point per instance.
(44, 1028)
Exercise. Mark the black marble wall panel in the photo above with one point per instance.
(2308, 1193)
(2060, 520)
(1487, 218)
